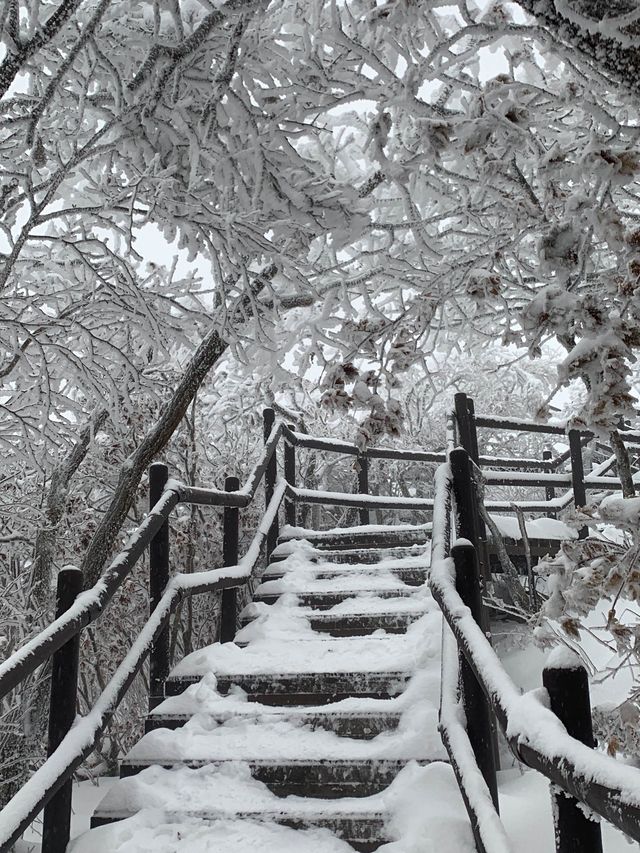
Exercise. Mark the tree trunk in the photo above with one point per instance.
(623, 464)
(56, 503)
(618, 58)
(132, 469)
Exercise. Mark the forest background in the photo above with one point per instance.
(345, 210)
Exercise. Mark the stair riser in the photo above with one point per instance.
(347, 557)
(370, 541)
(360, 626)
(323, 601)
(364, 834)
(355, 628)
(361, 728)
(303, 689)
(411, 577)
(320, 780)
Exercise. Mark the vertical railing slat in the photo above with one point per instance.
(230, 540)
(290, 477)
(568, 689)
(62, 712)
(271, 475)
(577, 476)
(158, 580)
(477, 709)
(363, 486)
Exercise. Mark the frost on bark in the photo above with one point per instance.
(607, 32)
(156, 438)
(56, 501)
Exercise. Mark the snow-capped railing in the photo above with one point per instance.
(548, 474)
(558, 745)
(72, 740)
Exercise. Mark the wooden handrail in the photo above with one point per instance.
(332, 445)
(524, 720)
(21, 810)
(92, 603)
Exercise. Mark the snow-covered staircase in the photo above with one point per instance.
(315, 717)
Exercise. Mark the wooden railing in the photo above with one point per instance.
(554, 739)
(50, 786)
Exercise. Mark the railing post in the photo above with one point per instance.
(290, 477)
(480, 725)
(465, 496)
(568, 688)
(158, 580)
(467, 513)
(230, 537)
(468, 437)
(473, 432)
(362, 465)
(549, 491)
(463, 421)
(577, 476)
(270, 477)
(62, 711)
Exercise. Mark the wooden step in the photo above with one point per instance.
(359, 725)
(363, 556)
(363, 832)
(410, 575)
(325, 600)
(318, 778)
(357, 624)
(302, 688)
(391, 537)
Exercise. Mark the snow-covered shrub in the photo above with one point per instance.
(592, 591)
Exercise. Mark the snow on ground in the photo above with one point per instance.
(525, 809)
(86, 796)
(537, 528)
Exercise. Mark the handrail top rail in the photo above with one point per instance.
(92, 602)
(527, 425)
(335, 445)
(533, 732)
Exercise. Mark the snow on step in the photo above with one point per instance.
(193, 811)
(364, 724)
(275, 737)
(264, 655)
(312, 688)
(299, 583)
(414, 555)
(163, 832)
(364, 536)
(300, 555)
(350, 617)
(298, 576)
(409, 574)
(293, 741)
(205, 698)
